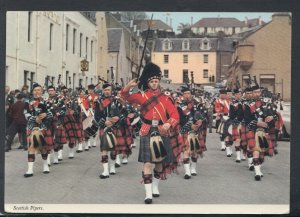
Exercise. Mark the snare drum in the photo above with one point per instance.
(90, 126)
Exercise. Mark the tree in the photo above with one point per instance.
(133, 15)
(187, 33)
(183, 26)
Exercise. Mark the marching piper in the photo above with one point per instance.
(160, 117)
(38, 130)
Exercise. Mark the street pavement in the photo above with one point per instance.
(220, 180)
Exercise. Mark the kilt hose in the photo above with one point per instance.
(72, 128)
(45, 148)
(124, 140)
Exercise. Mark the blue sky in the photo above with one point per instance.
(185, 17)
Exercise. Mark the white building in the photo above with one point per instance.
(41, 44)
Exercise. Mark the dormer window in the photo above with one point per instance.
(185, 44)
(205, 44)
(166, 45)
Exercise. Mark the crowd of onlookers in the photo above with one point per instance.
(14, 116)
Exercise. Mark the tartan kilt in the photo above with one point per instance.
(236, 131)
(72, 127)
(272, 135)
(243, 134)
(202, 137)
(60, 135)
(48, 146)
(124, 140)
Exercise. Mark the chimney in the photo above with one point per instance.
(171, 22)
(131, 23)
(246, 20)
(259, 20)
(134, 28)
(191, 21)
(138, 33)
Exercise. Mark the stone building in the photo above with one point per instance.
(50, 43)
(265, 52)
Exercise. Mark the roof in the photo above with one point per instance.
(114, 39)
(225, 44)
(252, 30)
(156, 24)
(219, 22)
(254, 22)
(177, 44)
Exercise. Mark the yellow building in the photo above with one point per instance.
(178, 57)
(265, 52)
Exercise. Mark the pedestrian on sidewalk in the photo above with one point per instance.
(18, 124)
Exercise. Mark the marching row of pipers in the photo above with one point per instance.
(172, 127)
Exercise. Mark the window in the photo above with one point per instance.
(32, 79)
(91, 80)
(74, 40)
(67, 37)
(29, 25)
(25, 77)
(205, 58)
(166, 58)
(50, 36)
(92, 44)
(185, 58)
(86, 47)
(166, 45)
(166, 73)
(205, 73)
(205, 30)
(67, 75)
(185, 76)
(205, 45)
(80, 44)
(53, 79)
(233, 30)
(185, 45)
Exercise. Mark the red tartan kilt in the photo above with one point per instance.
(72, 127)
(60, 135)
(250, 136)
(243, 135)
(235, 132)
(124, 139)
(47, 137)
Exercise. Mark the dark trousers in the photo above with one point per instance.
(11, 132)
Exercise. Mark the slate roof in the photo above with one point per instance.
(156, 24)
(219, 22)
(224, 44)
(114, 39)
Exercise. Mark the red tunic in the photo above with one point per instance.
(222, 106)
(164, 111)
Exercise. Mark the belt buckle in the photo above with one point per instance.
(154, 123)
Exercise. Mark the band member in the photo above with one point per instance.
(160, 117)
(38, 130)
(193, 127)
(58, 109)
(222, 109)
(124, 129)
(257, 120)
(72, 120)
(236, 116)
(107, 115)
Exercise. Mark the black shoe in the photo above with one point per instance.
(193, 174)
(78, 151)
(251, 168)
(60, 159)
(55, 163)
(275, 151)
(71, 157)
(238, 161)
(21, 147)
(148, 201)
(187, 176)
(46, 172)
(117, 165)
(25, 149)
(103, 176)
(28, 175)
(155, 195)
(222, 149)
(86, 149)
(229, 155)
(257, 177)
(112, 173)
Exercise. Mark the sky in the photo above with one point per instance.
(185, 17)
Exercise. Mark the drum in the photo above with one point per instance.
(90, 126)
